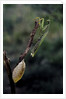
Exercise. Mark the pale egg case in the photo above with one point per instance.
(18, 71)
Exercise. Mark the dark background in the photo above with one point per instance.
(44, 72)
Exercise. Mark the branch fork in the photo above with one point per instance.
(6, 59)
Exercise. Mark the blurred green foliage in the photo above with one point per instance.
(17, 25)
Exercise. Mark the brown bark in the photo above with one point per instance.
(8, 69)
(30, 41)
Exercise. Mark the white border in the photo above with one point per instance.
(64, 49)
(32, 2)
(31, 95)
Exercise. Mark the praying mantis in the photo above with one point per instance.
(44, 33)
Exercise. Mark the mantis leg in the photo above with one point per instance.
(42, 22)
(45, 28)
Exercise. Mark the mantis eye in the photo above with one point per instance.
(18, 71)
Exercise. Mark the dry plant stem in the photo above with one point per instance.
(8, 69)
(7, 64)
(30, 41)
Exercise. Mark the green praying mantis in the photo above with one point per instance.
(43, 29)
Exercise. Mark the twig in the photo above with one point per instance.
(6, 60)
(30, 42)
(8, 69)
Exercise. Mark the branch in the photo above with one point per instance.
(6, 60)
(8, 69)
(30, 42)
